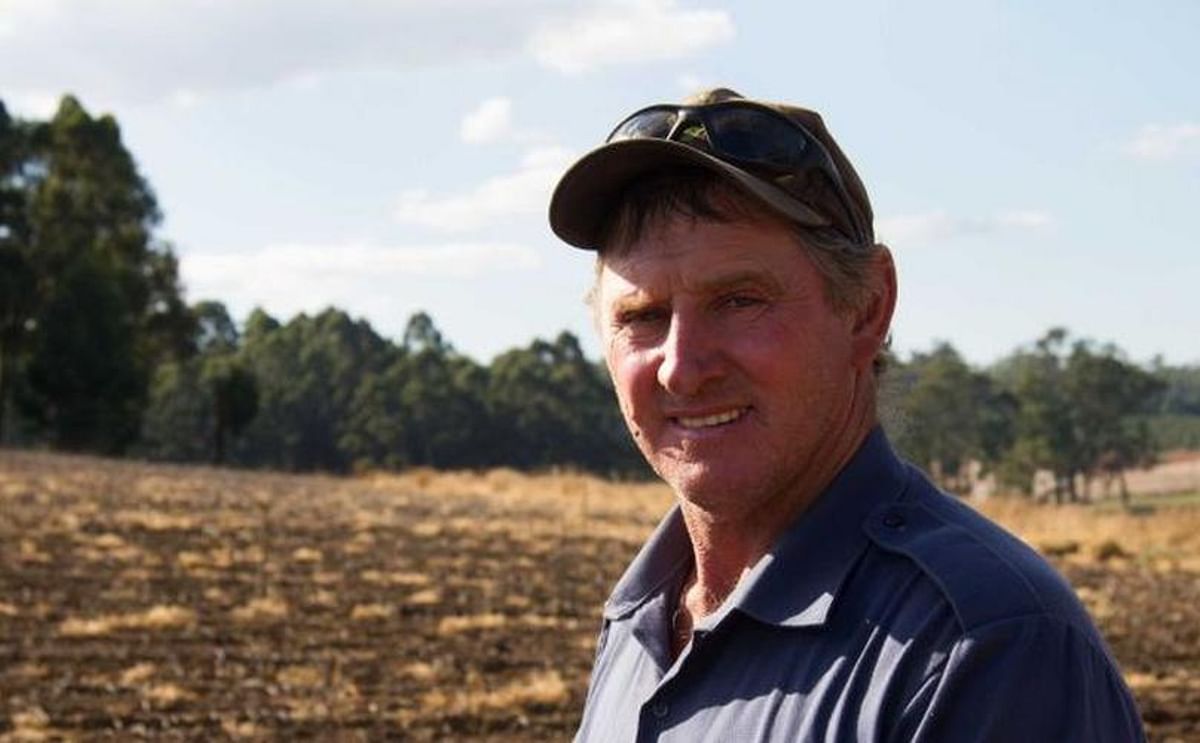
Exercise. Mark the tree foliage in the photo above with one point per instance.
(556, 407)
(952, 414)
(198, 404)
(92, 302)
(100, 352)
(1081, 412)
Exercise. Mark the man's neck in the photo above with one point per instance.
(726, 546)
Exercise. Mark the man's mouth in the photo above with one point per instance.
(708, 421)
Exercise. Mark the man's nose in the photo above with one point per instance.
(690, 357)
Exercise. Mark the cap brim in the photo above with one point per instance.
(591, 188)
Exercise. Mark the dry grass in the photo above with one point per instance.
(305, 677)
(307, 555)
(1167, 539)
(137, 674)
(428, 597)
(30, 725)
(473, 623)
(166, 695)
(154, 618)
(539, 688)
(563, 500)
(420, 671)
(371, 612)
(266, 609)
(422, 606)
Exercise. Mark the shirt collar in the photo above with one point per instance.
(658, 563)
(796, 582)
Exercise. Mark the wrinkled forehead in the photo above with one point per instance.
(687, 255)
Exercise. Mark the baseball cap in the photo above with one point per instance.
(591, 188)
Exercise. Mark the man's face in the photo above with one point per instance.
(732, 370)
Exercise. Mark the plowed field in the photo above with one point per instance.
(152, 602)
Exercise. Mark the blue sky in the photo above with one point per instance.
(1031, 164)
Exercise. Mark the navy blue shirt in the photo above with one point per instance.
(887, 612)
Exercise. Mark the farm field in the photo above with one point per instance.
(169, 603)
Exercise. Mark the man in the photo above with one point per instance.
(808, 585)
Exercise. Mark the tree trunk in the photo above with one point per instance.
(219, 426)
(3, 389)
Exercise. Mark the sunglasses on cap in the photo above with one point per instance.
(758, 139)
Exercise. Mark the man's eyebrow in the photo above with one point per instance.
(634, 299)
(638, 298)
(735, 279)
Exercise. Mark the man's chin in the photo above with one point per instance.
(712, 487)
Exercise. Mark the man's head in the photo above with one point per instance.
(740, 323)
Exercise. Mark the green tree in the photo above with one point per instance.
(423, 408)
(1045, 436)
(1109, 400)
(1181, 388)
(234, 392)
(949, 415)
(553, 406)
(103, 306)
(307, 374)
(197, 405)
(1079, 410)
(177, 425)
(17, 280)
(1175, 424)
(214, 328)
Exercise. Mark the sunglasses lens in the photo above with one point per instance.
(757, 136)
(754, 136)
(652, 124)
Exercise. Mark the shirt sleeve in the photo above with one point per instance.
(1030, 679)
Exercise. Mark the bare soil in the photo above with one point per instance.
(153, 602)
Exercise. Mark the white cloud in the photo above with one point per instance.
(352, 275)
(525, 191)
(123, 51)
(1029, 219)
(937, 226)
(135, 51)
(491, 121)
(628, 32)
(185, 99)
(359, 260)
(1157, 142)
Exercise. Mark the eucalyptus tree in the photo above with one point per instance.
(98, 291)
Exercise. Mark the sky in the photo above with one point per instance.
(1031, 164)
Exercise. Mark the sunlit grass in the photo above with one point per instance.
(459, 605)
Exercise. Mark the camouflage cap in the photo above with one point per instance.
(591, 188)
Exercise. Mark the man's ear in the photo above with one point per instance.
(873, 318)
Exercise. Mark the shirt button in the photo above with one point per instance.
(660, 709)
(893, 520)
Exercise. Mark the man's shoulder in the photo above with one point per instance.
(985, 573)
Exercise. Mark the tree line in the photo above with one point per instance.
(101, 352)
(1065, 406)
(326, 392)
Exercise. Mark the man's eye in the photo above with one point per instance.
(740, 301)
(641, 317)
